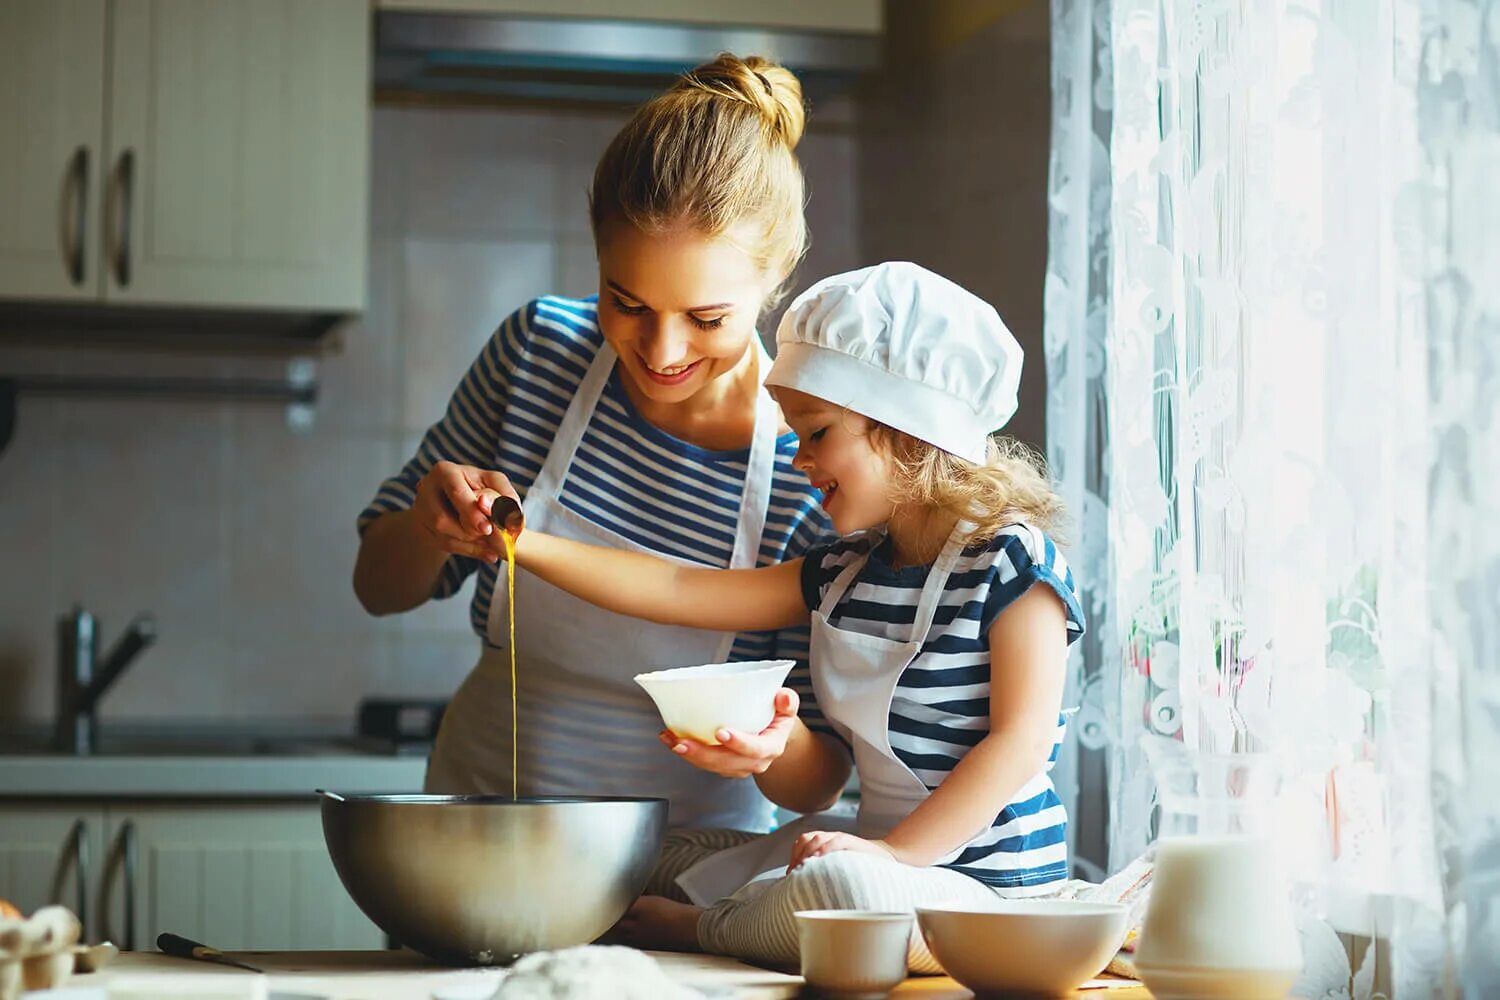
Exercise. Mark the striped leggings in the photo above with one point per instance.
(756, 922)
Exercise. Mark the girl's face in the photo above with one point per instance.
(837, 455)
(678, 307)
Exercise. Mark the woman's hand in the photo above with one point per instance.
(452, 508)
(741, 755)
(816, 843)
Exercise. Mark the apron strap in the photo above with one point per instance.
(844, 581)
(569, 435)
(755, 502)
(932, 589)
(937, 580)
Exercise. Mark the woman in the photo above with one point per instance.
(638, 421)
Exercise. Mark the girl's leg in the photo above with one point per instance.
(663, 919)
(756, 923)
(681, 850)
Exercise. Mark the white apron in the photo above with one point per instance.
(854, 676)
(586, 728)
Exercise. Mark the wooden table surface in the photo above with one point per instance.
(404, 975)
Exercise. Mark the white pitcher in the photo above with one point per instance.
(1220, 922)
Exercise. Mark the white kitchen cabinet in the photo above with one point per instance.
(238, 135)
(52, 59)
(236, 875)
(227, 165)
(51, 854)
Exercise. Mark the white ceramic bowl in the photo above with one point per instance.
(697, 702)
(1039, 946)
(853, 953)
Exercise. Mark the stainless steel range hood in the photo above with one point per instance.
(512, 57)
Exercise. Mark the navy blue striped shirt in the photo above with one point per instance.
(628, 475)
(941, 706)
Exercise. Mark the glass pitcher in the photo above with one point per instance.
(1220, 921)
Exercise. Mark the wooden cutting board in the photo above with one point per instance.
(405, 975)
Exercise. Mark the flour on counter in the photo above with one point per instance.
(591, 972)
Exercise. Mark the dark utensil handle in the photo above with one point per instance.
(7, 411)
(123, 854)
(78, 180)
(124, 193)
(506, 515)
(78, 852)
(181, 947)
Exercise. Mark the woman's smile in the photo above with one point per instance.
(674, 375)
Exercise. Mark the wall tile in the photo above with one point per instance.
(580, 139)
(430, 664)
(479, 172)
(388, 183)
(314, 673)
(145, 530)
(291, 548)
(34, 511)
(454, 296)
(828, 164)
(358, 369)
(577, 267)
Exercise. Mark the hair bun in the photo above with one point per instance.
(772, 89)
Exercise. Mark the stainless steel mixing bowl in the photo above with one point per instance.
(473, 879)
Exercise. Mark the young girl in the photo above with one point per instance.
(941, 620)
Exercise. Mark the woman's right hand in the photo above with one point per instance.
(450, 509)
(741, 755)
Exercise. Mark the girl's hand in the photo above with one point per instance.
(819, 842)
(741, 755)
(448, 506)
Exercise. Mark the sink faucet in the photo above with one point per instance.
(82, 678)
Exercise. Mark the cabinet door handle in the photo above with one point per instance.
(76, 859)
(78, 183)
(124, 195)
(132, 854)
(123, 854)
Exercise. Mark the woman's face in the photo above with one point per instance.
(678, 307)
(837, 455)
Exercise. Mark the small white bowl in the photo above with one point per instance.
(853, 954)
(697, 702)
(1041, 946)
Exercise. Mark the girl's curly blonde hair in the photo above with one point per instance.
(1011, 485)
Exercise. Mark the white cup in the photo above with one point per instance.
(853, 954)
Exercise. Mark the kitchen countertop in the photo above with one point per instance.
(186, 759)
(404, 975)
(36, 776)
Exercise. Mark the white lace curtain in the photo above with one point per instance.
(1273, 348)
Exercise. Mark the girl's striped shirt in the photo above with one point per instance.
(941, 705)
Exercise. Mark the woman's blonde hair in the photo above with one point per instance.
(712, 152)
(1011, 485)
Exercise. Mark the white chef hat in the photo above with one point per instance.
(909, 348)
